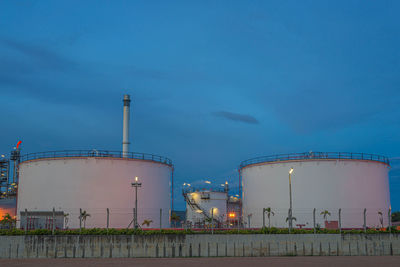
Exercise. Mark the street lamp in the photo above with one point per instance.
(136, 184)
(290, 197)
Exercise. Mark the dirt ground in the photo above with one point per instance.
(219, 262)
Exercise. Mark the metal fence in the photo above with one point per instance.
(312, 219)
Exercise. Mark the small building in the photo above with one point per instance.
(32, 220)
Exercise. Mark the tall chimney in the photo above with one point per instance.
(125, 130)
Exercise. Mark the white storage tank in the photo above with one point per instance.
(351, 182)
(202, 205)
(94, 181)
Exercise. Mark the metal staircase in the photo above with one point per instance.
(194, 206)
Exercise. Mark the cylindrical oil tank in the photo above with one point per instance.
(355, 183)
(201, 204)
(94, 181)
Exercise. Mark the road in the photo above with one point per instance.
(220, 262)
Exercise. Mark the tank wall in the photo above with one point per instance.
(217, 201)
(95, 184)
(324, 185)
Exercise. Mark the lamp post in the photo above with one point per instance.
(136, 184)
(290, 197)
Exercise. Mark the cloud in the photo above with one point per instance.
(236, 117)
(39, 56)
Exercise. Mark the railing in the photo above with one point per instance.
(315, 155)
(95, 153)
(194, 189)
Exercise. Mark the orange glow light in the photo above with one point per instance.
(232, 215)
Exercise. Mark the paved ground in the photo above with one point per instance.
(219, 262)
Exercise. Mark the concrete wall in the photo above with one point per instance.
(197, 246)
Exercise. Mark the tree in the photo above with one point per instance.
(83, 217)
(293, 219)
(325, 213)
(8, 220)
(269, 213)
(66, 220)
(147, 222)
(380, 215)
(175, 218)
(396, 216)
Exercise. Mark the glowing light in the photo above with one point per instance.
(207, 182)
(291, 170)
(188, 184)
(232, 215)
(236, 195)
(136, 179)
(199, 211)
(184, 183)
(226, 182)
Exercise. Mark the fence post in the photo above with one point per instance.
(390, 220)
(160, 219)
(289, 220)
(26, 221)
(134, 219)
(315, 230)
(108, 219)
(365, 220)
(340, 221)
(80, 221)
(263, 217)
(54, 221)
(212, 221)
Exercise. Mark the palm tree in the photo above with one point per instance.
(8, 220)
(293, 219)
(175, 218)
(147, 222)
(380, 214)
(326, 214)
(269, 213)
(83, 217)
(66, 220)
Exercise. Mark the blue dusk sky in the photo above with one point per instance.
(212, 82)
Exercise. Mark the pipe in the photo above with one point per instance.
(125, 131)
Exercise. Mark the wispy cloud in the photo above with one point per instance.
(236, 117)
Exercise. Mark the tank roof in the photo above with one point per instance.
(95, 154)
(306, 156)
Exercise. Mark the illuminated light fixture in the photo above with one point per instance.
(207, 182)
(184, 183)
(236, 195)
(291, 170)
(222, 185)
(232, 215)
(226, 182)
(199, 211)
(188, 184)
(136, 179)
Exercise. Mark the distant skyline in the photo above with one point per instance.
(212, 83)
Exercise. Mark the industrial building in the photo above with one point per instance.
(120, 189)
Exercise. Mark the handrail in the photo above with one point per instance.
(95, 153)
(314, 155)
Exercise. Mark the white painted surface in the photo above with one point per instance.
(95, 184)
(217, 201)
(125, 130)
(322, 184)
